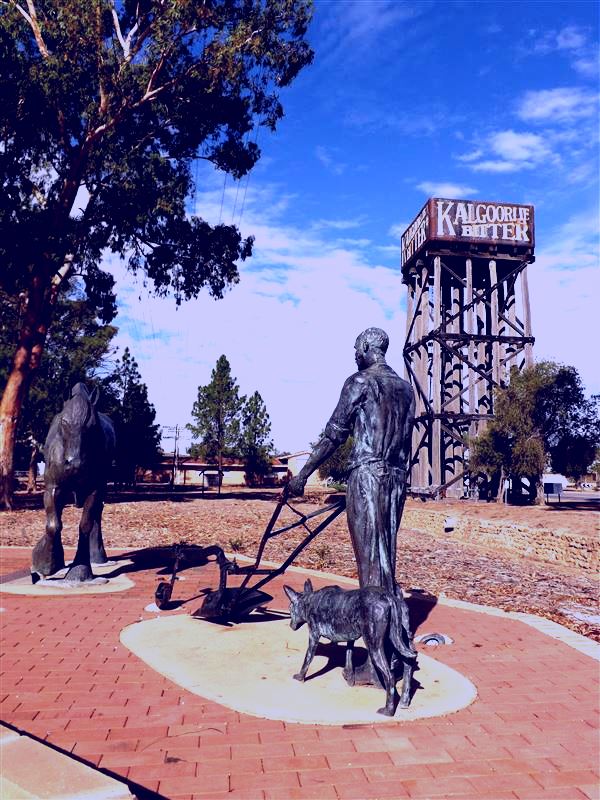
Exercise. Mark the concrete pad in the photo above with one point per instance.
(31, 769)
(10, 791)
(249, 667)
(57, 586)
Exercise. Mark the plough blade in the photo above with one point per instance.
(232, 603)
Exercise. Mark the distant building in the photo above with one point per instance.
(188, 471)
(294, 463)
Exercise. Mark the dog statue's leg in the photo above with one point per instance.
(409, 668)
(349, 667)
(377, 653)
(399, 624)
(313, 640)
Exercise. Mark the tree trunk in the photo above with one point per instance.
(500, 493)
(25, 362)
(10, 410)
(537, 490)
(220, 475)
(33, 469)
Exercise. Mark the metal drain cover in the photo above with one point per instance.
(434, 639)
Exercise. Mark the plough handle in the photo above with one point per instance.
(281, 501)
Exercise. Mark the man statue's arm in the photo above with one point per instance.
(409, 420)
(337, 431)
(321, 452)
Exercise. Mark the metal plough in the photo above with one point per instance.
(233, 603)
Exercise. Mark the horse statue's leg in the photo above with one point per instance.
(97, 551)
(48, 554)
(81, 568)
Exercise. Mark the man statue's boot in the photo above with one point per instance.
(366, 674)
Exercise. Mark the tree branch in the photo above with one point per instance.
(35, 27)
(117, 25)
(31, 21)
(61, 275)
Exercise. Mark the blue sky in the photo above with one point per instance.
(484, 100)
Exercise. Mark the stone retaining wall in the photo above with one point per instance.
(555, 546)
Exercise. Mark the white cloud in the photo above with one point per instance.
(565, 104)
(588, 66)
(570, 38)
(288, 328)
(433, 189)
(491, 165)
(514, 146)
(398, 229)
(573, 42)
(355, 26)
(389, 250)
(472, 156)
(564, 287)
(325, 156)
(346, 242)
(340, 224)
(513, 151)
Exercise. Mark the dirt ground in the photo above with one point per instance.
(236, 521)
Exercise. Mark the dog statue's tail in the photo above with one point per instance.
(401, 625)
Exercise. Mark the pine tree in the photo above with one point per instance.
(138, 436)
(255, 444)
(216, 415)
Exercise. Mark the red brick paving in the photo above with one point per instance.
(533, 731)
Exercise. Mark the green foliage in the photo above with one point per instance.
(337, 465)
(138, 437)
(79, 350)
(120, 98)
(595, 467)
(541, 416)
(573, 456)
(255, 444)
(217, 413)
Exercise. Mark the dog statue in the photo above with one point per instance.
(344, 616)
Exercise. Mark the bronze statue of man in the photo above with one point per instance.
(376, 408)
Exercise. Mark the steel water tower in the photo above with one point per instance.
(468, 325)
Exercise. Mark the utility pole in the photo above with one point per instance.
(174, 429)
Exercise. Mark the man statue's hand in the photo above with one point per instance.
(295, 487)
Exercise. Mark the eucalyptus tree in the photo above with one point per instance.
(104, 107)
(80, 349)
(541, 419)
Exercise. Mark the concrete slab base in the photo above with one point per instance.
(31, 769)
(103, 583)
(249, 668)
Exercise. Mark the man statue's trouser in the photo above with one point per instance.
(375, 501)
(374, 504)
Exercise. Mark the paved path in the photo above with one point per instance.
(533, 731)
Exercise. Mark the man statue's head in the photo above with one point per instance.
(371, 347)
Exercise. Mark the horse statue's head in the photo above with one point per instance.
(78, 422)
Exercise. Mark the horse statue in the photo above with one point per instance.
(78, 453)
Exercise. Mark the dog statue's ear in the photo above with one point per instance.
(291, 593)
(308, 587)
